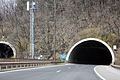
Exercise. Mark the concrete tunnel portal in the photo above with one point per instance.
(7, 50)
(91, 51)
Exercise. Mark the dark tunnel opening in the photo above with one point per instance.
(5, 51)
(91, 52)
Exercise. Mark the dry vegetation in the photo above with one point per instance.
(74, 20)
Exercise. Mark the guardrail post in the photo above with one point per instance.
(23, 65)
(11, 66)
(28, 65)
(20, 66)
(16, 66)
(0, 68)
(6, 66)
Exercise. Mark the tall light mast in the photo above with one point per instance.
(31, 10)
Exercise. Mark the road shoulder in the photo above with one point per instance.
(107, 72)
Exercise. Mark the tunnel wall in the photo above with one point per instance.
(11, 46)
(93, 39)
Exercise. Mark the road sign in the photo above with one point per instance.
(28, 5)
(115, 47)
(63, 56)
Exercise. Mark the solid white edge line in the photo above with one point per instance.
(99, 74)
(33, 68)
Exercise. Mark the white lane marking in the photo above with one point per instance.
(69, 67)
(58, 71)
(99, 74)
(32, 68)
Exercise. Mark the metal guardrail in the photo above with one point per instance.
(116, 66)
(21, 60)
(5, 66)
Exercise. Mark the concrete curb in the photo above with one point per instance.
(116, 66)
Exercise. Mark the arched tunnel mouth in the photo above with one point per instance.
(6, 51)
(91, 52)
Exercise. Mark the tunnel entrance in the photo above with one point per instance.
(91, 51)
(6, 50)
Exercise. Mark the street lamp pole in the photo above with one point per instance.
(31, 27)
(54, 30)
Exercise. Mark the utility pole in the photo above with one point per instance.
(54, 30)
(31, 27)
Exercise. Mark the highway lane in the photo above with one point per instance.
(59, 72)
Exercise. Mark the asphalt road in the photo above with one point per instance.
(108, 72)
(59, 72)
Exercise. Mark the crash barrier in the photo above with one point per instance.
(116, 66)
(21, 60)
(5, 66)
